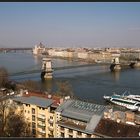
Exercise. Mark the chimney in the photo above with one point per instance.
(61, 100)
(49, 96)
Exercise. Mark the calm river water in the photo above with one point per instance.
(87, 83)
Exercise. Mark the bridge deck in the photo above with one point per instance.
(65, 67)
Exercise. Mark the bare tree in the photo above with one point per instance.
(3, 77)
(3, 116)
(16, 126)
(12, 123)
(64, 89)
(30, 85)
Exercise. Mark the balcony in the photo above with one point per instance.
(41, 125)
(71, 124)
(50, 133)
(41, 118)
(51, 136)
(50, 121)
(41, 131)
(50, 128)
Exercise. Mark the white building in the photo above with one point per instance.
(39, 49)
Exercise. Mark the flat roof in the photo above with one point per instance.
(38, 101)
(110, 128)
(82, 111)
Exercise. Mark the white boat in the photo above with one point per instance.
(134, 97)
(125, 101)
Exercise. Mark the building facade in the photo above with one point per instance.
(39, 49)
(39, 112)
(52, 116)
(77, 119)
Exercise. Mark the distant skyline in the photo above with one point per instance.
(70, 24)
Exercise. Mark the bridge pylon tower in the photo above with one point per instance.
(115, 65)
(47, 71)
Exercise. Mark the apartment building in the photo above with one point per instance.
(119, 124)
(126, 117)
(39, 111)
(131, 54)
(78, 119)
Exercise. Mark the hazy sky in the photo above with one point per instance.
(70, 24)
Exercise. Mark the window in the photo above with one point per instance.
(42, 108)
(33, 131)
(70, 136)
(33, 118)
(62, 135)
(88, 135)
(33, 125)
(51, 117)
(62, 128)
(43, 128)
(33, 111)
(28, 111)
(25, 110)
(27, 105)
(79, 133)
(70, 130)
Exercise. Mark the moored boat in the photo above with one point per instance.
(129, 102)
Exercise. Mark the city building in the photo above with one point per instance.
(119, 124)
(52, 116)
(39, 49)
(109, 128)
(78, 119)
(39, 110)
(130, 54)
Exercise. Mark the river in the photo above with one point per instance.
(89, 83)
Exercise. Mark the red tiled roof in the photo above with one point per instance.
(111, 128)
(55, 98)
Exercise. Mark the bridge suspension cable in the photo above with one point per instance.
(56, 68)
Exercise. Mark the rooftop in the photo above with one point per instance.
(82, 111)
(42, 102)
(56, 99)
(111, 128)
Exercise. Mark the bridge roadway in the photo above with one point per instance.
(14, 49)
(57, 68)
(9, 49)
(124, 66)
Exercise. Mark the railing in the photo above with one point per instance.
(41, 117)
(50, 128)
(50, 120)
(41, 124)
(72, 124)
(50, 136)
(42, 131)
(50, 133)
